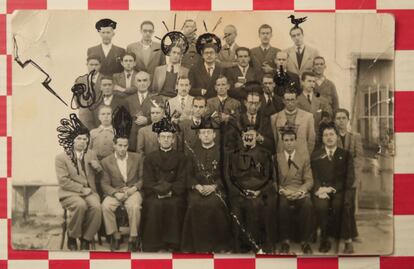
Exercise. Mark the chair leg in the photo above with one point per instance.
(64, 227)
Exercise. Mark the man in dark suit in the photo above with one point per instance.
(271, 102)
(109, 53)
(76, 169)
(139, 106)
(324, 86)
(240, 74)
(108, 99)
(295, 183)
(121, 183)
(148, 53)
(333, 173)
(125, 81)
(203, 75)
(253, 116)
(351, 141)
(264, 55)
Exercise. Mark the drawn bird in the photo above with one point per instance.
(297, 21)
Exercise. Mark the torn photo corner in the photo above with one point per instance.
(203, 132)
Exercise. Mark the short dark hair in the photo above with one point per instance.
(200, 98)
(294, 28)
(268, 76)
(115, 140)
(342, 110)
(220, 77)
(318, 58)
(242, 49)
(183, 77)
(102, 107)
(209, 45)
(265, 26)
(94, 57)
(129, 54)
(307, 74)
(107, 78)
(187, 21)
(327, 126)
(289, 132)
(147, 22)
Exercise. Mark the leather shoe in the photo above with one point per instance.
(85, 244)
(72, 244)
(132, 246)
(114, 244)
(306, 248)
(325, 246)
(284, 248)
(349, 248)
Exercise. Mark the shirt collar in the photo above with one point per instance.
(146, 46)
(109, 128)
(126, 73)
(79, 154)
(268, 47)
(212, 66)
(222, 99)
(106, 46)
(176, 67)
(292, 155)
(332, 150)
(119, 159)
(291, 113)
(241, 67)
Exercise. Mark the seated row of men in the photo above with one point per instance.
(260, 199)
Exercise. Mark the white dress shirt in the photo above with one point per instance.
(106, 48)
(122, 165)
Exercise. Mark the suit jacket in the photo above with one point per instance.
(71, 183)
(231, 106)
(232, 75)
(262, 126)
(299, 176)
(316, 107)
(191, 57)
(293, 77)
(156, 57)
(309, 54)
(110, 64)
(305, 132)
(269, 108)
(120, 80)
(338, 173)
(227, 55)
(259, 57)
(187, 136)
(112, 180)
(134, 107)
(353, 144)
(160, 74)
(175, 105)
(200, 79)
(147, 141)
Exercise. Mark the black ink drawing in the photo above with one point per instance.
(84, 95)
(47, 80)
(297, 21)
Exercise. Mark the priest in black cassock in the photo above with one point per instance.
(252, 189)
(207, 222)
(164, 189)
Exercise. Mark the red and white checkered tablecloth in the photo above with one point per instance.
(403, 257)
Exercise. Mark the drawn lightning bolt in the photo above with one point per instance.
(47, 80)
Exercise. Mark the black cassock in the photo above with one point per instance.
(252, 169)
(207, 221)
(163, 218)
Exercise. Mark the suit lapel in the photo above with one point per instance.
(130, 164)
(116, 167)
(306, 54)
(348, 137)
(283, 165)
(162, 77)
(139, 53)
(101, 52)
(294, 57)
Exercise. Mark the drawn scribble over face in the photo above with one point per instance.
(80, 143)
(166, 140)
(142, 81)
(107, 87)
(183, 86)
(207, 136)
(297, 36)
(93, 65)
(249, 138)
(106, 33)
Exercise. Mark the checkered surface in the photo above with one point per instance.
(403, 257)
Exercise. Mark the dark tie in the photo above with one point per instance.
(309, 99)
(172, 68)
(290, 160)
(128, 75)
(330, 155)
(182, 104)
(210, 69)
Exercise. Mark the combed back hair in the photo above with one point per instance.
(222, 76)
(102, 107)
(200, 98)
(129, 54)
(147, 22)
(107, 78)
(342, 110)
(307, 74)
(318, 58)
(94, 57)
(242, 49)
(189, 20)
(183, 77)
(265, 26)
(294, 28)
(268, 76)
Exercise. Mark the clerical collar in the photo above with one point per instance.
(208, 146)
(291, 112)
(166, 150)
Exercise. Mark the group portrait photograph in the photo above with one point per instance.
(203, 132)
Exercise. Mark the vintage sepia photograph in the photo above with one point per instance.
(203, 132)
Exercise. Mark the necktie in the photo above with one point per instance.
(81, 165)
(141, 99)
(252, 119)
(182, 103)
(290, 160)
(210, 71)
(244, 71)
(197, 122)
(128, 75)
(330, 155)
(172, 68)
(265, 50)
(298, 50)
(309, 99)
